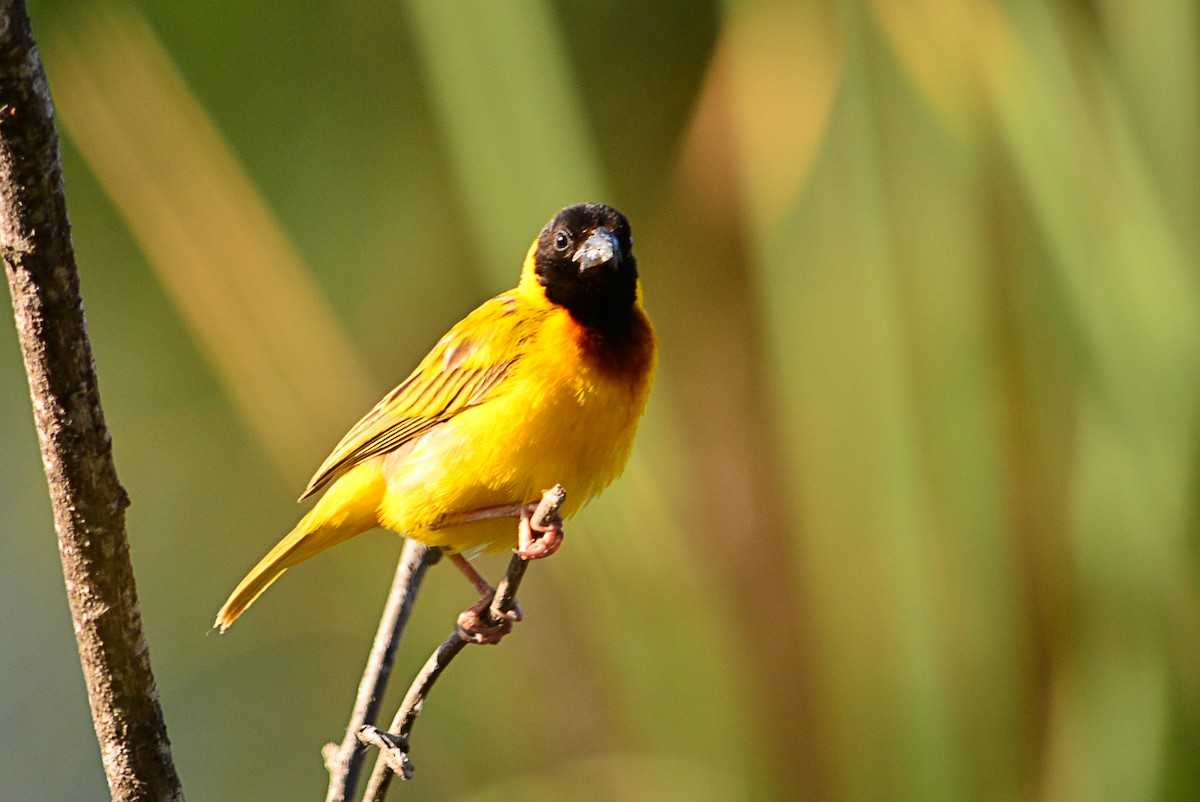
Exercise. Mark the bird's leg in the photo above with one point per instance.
(481, 585)
(485, 514)
(477, 624)
(549, 538)
(529, 546)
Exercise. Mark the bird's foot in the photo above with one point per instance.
(480, 624)
(547, 540)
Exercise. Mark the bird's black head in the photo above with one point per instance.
(584, 262)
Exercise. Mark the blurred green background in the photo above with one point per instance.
(913, 515)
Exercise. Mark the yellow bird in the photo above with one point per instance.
(541, 385)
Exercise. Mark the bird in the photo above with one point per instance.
(542, 385)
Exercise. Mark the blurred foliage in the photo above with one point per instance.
(913, 515)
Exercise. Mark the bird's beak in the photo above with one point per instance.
(598, 249)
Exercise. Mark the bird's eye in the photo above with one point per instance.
(562, 241)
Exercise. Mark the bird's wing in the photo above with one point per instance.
(465, 369)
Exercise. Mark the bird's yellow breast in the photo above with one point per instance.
(567, 414)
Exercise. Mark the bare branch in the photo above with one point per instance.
(393, 748)
(394, 744)
(88, 500)
(345, 761)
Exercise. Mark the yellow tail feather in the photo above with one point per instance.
(346, 509)
(269, 568)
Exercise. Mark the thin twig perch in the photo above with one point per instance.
(89, 502)
(394, 743)
(344, 761)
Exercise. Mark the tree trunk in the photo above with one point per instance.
(89, 502)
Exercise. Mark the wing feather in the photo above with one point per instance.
(465, 369)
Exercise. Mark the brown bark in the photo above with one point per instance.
(88, 500)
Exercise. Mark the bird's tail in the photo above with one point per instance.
(343, 512)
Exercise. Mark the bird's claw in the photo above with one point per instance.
(478, 624)
(548, 539)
